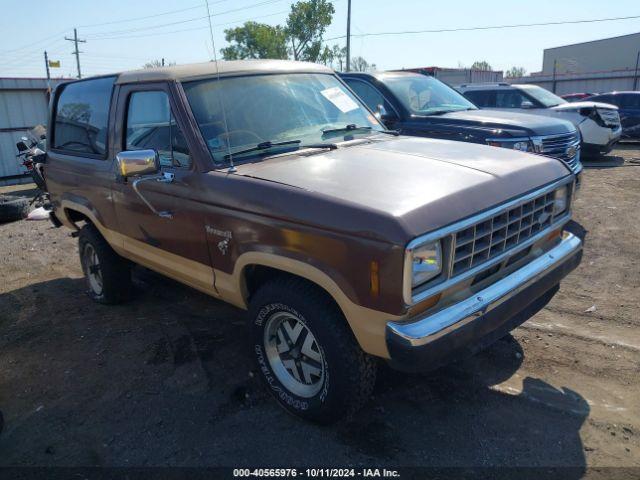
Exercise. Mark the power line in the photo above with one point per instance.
(190, 29)
(35, 45)
(37, 42)
(131, 30)
(135, 19)
(171, 12)
(490, 27)
(32, 57)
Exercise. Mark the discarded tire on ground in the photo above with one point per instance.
(13, 208)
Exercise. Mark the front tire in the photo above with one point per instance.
(107, 274)
(306, 353)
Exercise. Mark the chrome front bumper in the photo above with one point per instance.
(428, 341)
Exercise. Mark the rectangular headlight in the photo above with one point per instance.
(426, 263)
(560, 200)
(521, 145)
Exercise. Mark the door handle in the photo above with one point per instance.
(166, 177)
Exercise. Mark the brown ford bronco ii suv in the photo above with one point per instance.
(269, 185)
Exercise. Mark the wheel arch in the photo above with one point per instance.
(256, 275)
(367, 324)
(254, 268)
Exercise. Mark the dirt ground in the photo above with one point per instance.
(167, 379)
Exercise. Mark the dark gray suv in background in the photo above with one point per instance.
(423, 106)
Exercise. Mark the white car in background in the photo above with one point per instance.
(599, 123)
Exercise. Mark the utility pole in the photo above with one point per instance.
(76, 52)
(555, 67)
(46, 64)
(635, 77)
(163, 61)
(348, 35)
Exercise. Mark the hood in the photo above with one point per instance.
(509, 120)
(580, 105)
(422, 183)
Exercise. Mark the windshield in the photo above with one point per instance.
(263, 111)
(545, 97)
(424, 95)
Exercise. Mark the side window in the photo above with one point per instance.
(369, 94)
(151, 125)
(605, 99)
(82, 117)
(630, 101)
(482, 99)
(509, 99)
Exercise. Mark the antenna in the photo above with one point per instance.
(232, 167)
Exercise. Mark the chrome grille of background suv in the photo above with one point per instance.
(566, 147)
(501, 232)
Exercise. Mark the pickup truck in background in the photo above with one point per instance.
(420, 105)
(270, 186)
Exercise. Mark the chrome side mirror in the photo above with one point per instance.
(135, 163)
(526, 104)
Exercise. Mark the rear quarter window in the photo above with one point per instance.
(604, 99)
(82, 117)
(481, 98)
(630, 100)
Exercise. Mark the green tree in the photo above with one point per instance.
(481, 65)
(339, 57)
(306, 25)
(516, 72)
(255, 40)
(333, 57)
(326, 57)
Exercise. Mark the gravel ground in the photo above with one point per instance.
(167, 379)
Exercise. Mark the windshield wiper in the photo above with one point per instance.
(347, 128)
(395, 133)
(262, 146)
(440, 112)
(330, 146)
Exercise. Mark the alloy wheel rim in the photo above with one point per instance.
(294, 354)
(92, 269)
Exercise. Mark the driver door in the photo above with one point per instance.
(172, 239)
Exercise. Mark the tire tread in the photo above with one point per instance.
(116, 271)
(360, 366)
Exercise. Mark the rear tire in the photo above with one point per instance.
(107, 274)
(306, 353)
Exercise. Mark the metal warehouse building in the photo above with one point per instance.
(23, 105)
(609, 54)
(457, 76)
(597, 66)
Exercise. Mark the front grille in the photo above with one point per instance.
(501, 232)
(565, 147)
